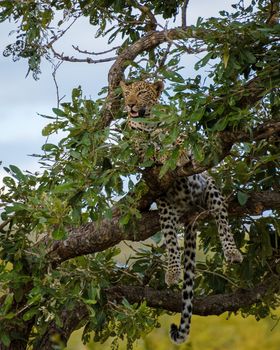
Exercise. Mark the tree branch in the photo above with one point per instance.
(152, 24)
(90, 238)
(184, 13)
(227, 139)
(163, 299)
(273, 17)
(62, 57)
(94, 53)
(203, 306)
(251, 92)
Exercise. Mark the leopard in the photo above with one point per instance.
(186, 194)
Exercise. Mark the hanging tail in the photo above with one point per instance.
(180, 334)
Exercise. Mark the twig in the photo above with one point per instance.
(166, 53)
(184, 13)
(273, 13)
(58, 36)
(4, 223)
(94, 53)
(201, 271)
(152, 24)
(62, 57)
(55, 68)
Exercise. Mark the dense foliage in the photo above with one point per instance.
(229, 116)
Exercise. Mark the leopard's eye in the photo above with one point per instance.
(141, 93)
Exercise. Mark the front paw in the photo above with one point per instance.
(233, 256)
(172, 275)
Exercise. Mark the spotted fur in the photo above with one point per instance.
(196, 192)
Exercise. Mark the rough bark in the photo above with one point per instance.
(163, 299)
(92, 237)
(203, 306)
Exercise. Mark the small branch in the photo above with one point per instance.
(152, 24)
(94, 53)
(5, 223)
(62, 57)
(164, 57)
(58, 36)
(58, 98)
(184, 13)
(273, 17)
(261, 132)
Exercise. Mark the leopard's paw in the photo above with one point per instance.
(172, 275)
(233, 256)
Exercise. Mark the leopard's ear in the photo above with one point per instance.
(159, 86)
(123, 86)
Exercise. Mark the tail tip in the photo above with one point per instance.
(175, 335)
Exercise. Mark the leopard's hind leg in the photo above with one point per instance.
(217, 206)
(169, 220)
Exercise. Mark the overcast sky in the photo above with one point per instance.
(21, 99)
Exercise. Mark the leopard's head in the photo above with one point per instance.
(140, 97)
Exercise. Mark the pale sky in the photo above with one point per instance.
(21, 99)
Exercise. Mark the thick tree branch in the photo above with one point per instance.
(227, 139)
(92, 237)
(163, 299)
(184, 13)
(203, 306)
(252, 91)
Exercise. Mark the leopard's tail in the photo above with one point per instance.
(180, 334)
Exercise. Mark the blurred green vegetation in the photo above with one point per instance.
(207, 333)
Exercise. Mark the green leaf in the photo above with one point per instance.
(198, 152)
(173, 76)
(203, 61)
(157, 237)
(49, 129)
(15, 207)
(66, 187)
(9, 182)
(226, 56)
(59, 112)
(10, 315)
(125, 219)
(5, 339)
(30, 313)
(242, 197)
(164, 169)
(7, 303)
(48, 147)
(197, 114)
(59, 233)
(17, 173)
